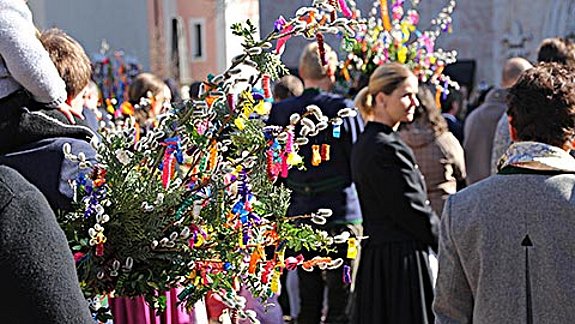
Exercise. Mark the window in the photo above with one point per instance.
(198, 39)
(175, 49)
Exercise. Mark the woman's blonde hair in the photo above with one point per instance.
(310, 65)
(386, 78)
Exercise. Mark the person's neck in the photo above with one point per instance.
(324, 84)
(386, 120)
(76, 103)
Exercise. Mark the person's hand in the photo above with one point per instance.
(70, 113)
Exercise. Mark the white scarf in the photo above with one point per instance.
(537, 156)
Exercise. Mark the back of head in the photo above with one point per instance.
(428, 114)
(195, 90)
(174, 87)
(145, 85)
(69, 58)
(556, 49)
(287, 86)
(512, 70)
(542, 104)
(386, 78)
(310, 62)
(452, 102)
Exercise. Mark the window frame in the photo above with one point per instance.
(193, 23)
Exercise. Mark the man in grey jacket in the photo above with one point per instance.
(506, 243)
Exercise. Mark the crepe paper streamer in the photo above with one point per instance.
(213, 159)
(321, 48)
(292, 262)
(279, 24)
(385, 15)
(402, 54)
(316, 261)
(267, 271)
(100, 250)
(336, 131)
(345, 9)
(351, 248)
(346, 274)
(294, 159)
(280, 44)
(172, 154)
(445, 90)
(240, 123)
(271, 169)
(316, 157)
(280, 257)
(324, 152)
(255, 257)
(397, 11)
(266, 86)
(231, 102)
(261, 108)
(276, 285)
(438, 98)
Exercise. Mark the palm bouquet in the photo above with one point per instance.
(193, 203)
(392, 34)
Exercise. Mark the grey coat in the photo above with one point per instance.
(482, 263)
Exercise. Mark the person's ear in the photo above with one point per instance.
(512, 130)
(569, 145)
(380, 97)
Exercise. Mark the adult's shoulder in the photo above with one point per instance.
(449, 143)
(8, 176)
(337, 99)
(11, 182)
(387, 147)
(282, 110)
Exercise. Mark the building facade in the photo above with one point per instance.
(181, 39)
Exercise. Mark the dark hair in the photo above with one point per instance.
(428, 114)
(287, 86)
(556, 49)
(453, 96)
(195, 90)
(145, 85)
(142, 84)
(542, 104)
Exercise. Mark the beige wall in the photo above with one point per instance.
(201, 9)
(221, 45)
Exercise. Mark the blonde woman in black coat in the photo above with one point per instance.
(394, 282)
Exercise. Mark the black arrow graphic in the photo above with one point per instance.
(527, 244)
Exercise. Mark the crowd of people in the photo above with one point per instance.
(484, 190)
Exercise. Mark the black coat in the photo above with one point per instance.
(328, 185)
(37, 272)
(391, 189)
(44, 165)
